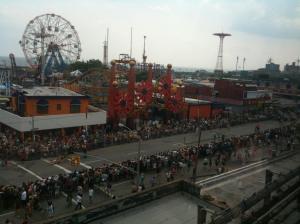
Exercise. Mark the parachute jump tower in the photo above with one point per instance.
(219, 65)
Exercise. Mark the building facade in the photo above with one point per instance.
(39, 101)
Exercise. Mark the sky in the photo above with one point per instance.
(178, 32)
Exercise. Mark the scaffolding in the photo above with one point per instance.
(5, 82)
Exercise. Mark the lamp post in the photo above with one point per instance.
(197, 154)
(198, 146)
(86, 121)
(139, 152)
(32, 129)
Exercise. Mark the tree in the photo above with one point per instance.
(84, 66)
(141, 76)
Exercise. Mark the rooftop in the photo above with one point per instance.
(49, 91)
(172, 209)
(196, 101)
(207, 83)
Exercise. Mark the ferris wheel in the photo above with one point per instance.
(50, 42)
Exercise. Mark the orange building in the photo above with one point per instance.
(37, 101)
(197, 108)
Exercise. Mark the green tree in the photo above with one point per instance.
(141, 76)
(83, 66)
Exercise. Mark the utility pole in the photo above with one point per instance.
(197, 154)
(130, 43)
(236, 65)
(86, 125)
(32, 128)
(144, 52)
(139, 162)
(139, 153)
(105, 49)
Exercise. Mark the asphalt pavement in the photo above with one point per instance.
(18, 172)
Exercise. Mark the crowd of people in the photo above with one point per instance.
(53, 143)
(169, 163)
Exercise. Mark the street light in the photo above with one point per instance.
(197, 155)
(139, 152)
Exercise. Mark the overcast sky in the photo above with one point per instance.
(178, 31)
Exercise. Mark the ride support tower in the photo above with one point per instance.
(219, 65)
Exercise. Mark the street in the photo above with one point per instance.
(18, 172)
(29, 170)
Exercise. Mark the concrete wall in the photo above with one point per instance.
(112, 207)
(24, 124)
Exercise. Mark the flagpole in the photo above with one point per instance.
(86, 126)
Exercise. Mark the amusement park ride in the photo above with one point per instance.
(139, 97)
(6, 75)
(49, 43)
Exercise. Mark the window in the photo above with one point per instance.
(75, 106)
(58, 107)
(21, 105)
(42, 106)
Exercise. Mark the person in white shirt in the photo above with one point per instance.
(78, 201)
(91, 194)
(24, 198)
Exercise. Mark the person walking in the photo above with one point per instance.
(152, 181)
(91, 195)
(69, 198)
(142, 178)
(80, 190)
(24, 198)
(78, 202)
(168, 176)
(50, 208)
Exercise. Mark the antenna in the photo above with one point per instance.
(244, 64)
(105, 49)
(270, 60)
(130, 55)
(144, 52)
(236, 65)
(107, 32)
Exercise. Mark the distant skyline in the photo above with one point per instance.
(179, 32)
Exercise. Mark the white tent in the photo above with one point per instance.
(76, 73)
